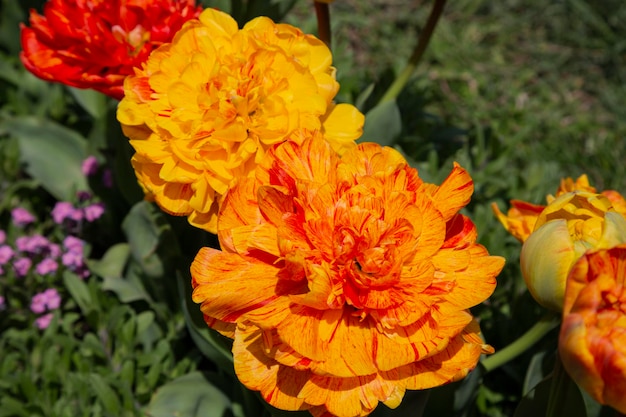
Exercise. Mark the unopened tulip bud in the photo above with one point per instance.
(569, 226)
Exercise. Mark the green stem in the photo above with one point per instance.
(548, 322)
(323, 22)
(424, 38)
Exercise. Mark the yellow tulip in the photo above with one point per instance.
(570, 225)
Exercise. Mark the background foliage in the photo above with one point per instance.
(521, 93)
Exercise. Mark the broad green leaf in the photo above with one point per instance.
(535, 403)
(52, 154)
(192, 395)
(79, 291)
(94, 102)
(112, 263)
(143, 236)
(383, 124)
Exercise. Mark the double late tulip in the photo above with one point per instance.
(570, 225)
(592, 342)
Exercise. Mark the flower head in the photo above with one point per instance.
(204, 109)
(22, 266)
(44, 321)
(570, 225)
(95, 43)
(21, 217)
(345, 281)
(521, 217)
(89, 167)
(592, 341)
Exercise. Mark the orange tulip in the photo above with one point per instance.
(592, 341)
(345, 280)
(97, 43)
(205, 108)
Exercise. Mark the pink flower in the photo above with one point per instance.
(64, 210)
(53, 299)
(6, 253)
(46, 266)
(38, 303)
(90, 166)
(94, 211)
(73, 244)
(22, 217)
(22, 266)
(44, 321)
(32, 244)
(72, 260)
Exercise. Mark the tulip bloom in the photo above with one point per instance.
(592, 341)
(345, 280)
(97, 43)
(521, 218)
(204, 109)
(570, 225)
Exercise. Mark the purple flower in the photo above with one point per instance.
(94, 211)
(22, 266)
(32, 244)
(38, 303)
(22, 217)
(72, 260)
(53, 299)
(47, 266)
(6, 253)
(73, 244)
(3, 236)
(47, 300)
(83, 195)
(90, 166)
(54, 250)
(65, 210)
(44, 321)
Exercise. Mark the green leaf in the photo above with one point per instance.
(112, 263)
(143, 236)
(94, 102)
(535, 403)
(79, 291)
(383, 124)
(52, 154)
(192, 395)
(105, 393)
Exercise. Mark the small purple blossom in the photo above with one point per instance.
(90, 166)
(72, 260)
(45, 301)
(64, 210)
(22, 266)
(44, 321)
(21, 217)
(54, 250)
(38, 303)
(32, 244)
(47, 266)
(6, 253)
(73, 244)
(84, 195)
(94, 211)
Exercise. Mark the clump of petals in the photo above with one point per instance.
(345, 280)
(592, 341)
(203, 110)
(96, 44)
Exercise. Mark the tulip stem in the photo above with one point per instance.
(424, 38)
(323, 22)
(548, 322)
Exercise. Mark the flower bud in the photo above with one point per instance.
(569, 226)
